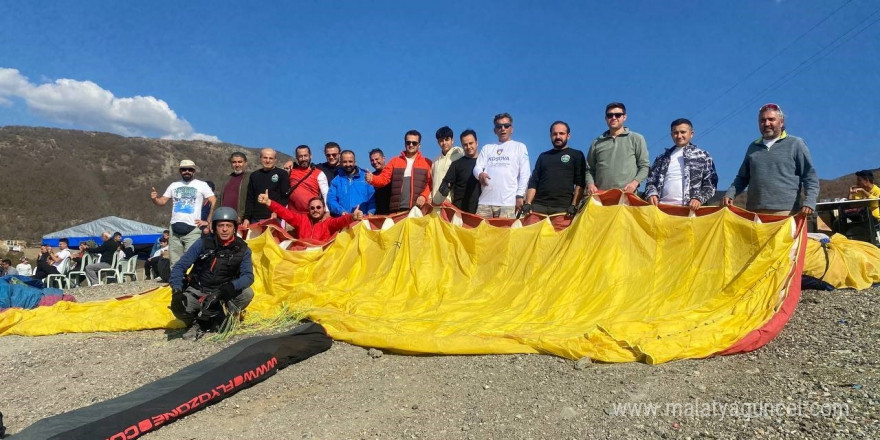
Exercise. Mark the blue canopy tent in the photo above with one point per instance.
(139, 233)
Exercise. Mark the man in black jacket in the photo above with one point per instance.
(460, 178)
(218, 286)
(271, 178)
(107, 250)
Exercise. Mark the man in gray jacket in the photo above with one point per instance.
(776, 168)
(619, 157)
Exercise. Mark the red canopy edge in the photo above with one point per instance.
(759, 337)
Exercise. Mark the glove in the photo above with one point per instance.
(571, 211)
(526, 209)
(226, 291)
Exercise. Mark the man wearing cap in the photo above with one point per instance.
(776, 168)
(271, 178)
(618, 158)
(218, 286)
(188, 195)
(233, 192)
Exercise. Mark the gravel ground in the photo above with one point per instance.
(821, 363)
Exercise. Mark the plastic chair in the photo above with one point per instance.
(128, 267)
(73, 276)
(61, 276)
(112, 271)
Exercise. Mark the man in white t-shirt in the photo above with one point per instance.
(684, 174)
(53, 261)
(188, 195)
(503, 170)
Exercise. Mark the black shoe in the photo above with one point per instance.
(191, 334)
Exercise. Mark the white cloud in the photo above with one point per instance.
(86, 104)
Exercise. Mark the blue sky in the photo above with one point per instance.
(362, 73)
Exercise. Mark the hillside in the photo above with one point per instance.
(55, 178)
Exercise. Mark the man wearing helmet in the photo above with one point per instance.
(218, 286)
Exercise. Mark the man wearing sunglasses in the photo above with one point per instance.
(188, 195)
(313, 227)
(776, 168)
(618, 158)
(409, 175)
(503, 170)
(331, 152)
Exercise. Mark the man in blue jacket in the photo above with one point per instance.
(349, 189)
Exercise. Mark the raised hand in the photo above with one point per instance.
(264, 198)
(357, 214)
(153, 193)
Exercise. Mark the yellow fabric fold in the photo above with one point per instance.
(621, 284)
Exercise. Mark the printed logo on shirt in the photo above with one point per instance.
(185, 200)
(565, 158)
(274, 178)
(499, 151)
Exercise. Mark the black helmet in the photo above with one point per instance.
(225, 214)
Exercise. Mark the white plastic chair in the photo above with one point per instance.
(61, 276)
(128, 267)
(112, 271)
(73, 276)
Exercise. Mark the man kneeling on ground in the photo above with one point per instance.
(218, 287)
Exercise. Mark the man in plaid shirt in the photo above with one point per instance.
(683, 174)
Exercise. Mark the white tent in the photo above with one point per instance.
(140, 233)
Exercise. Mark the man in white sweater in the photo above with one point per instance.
(503, 170)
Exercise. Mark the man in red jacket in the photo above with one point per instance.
(311, 226)
(408, 174)
(306, 181)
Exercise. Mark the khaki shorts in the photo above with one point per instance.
(493, 211)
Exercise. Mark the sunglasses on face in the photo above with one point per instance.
(614, 115)
(331, 154)
(412, 143)
(500, 126)
(187, 170)
(315, 208)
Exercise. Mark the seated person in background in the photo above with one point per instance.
(220, 279)
(51, 264)
(865, 189)
(24, 267)
(151, 267)
(76, 260)
(311, 226)
(126, 250)
(106, 250)
(165, 234)
(6, 267)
